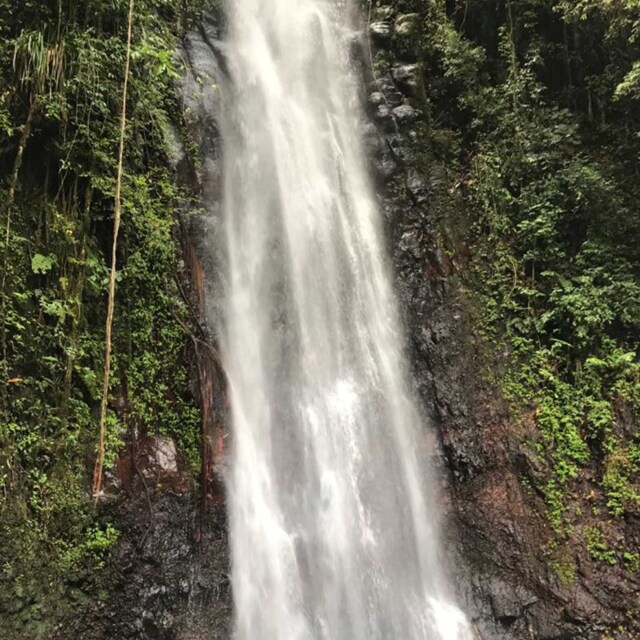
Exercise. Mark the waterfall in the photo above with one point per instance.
(332, 527)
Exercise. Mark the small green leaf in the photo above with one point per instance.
(42, 264)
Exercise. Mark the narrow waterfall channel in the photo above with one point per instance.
(332, 531)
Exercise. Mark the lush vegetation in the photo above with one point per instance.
(61, 77)
(534, 107)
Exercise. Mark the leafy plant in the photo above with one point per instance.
(543, 100)
(61, 76)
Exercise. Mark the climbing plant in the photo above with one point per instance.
(117, 216)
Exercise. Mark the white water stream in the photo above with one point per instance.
(332, 532)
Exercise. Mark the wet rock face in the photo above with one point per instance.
(157, 461)
(380, 31)
(166, 579)
(168, 576)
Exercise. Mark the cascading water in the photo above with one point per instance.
(332, 530)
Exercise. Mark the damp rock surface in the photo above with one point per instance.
(167, 578)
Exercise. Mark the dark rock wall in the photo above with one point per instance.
(161, 582)
(168, 576)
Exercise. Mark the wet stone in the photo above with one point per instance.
(388, 167)
(406, 76)
(405, 113)
(410, 243)
(383, 113)
(373, 141)
(406, 24)
(382, 85)
(382, 13)
(417, 185)
(376, 98)
(508, 600)
(394, 98)
(380, 31)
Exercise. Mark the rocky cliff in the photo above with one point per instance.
(169, 580)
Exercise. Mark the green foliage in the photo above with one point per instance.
(619, 469)
(631, 560)
(565, 570)
(90, 553)
(535, 107)
(61, 75)
(42, 264)
(597, 546)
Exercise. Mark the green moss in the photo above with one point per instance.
(619, 469)
(631, 560)
(565, 571)
(597, 547)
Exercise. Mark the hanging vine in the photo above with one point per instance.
(97, 475)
